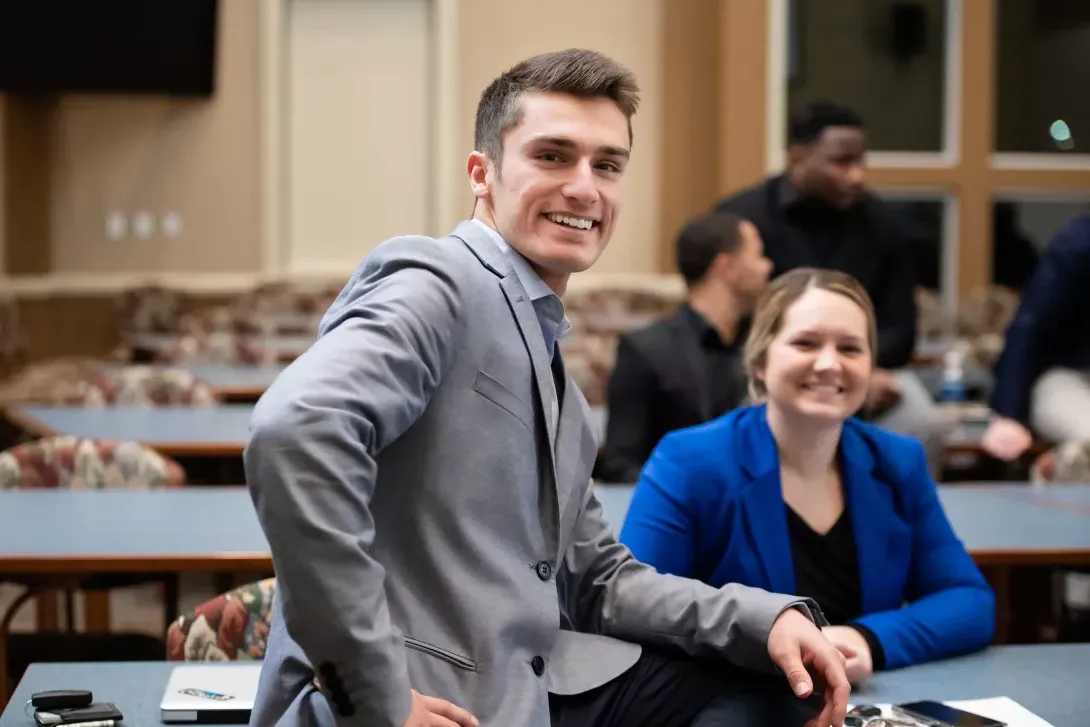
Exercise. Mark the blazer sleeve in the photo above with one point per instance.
(312, 470)
(1056, 290)
(630, 428)
(951, 608)
(609, 592)
(660, 527)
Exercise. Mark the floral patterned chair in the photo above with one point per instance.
(154, 386)
(59, 382)
(233, 626)
(148, 309)
(225, 347)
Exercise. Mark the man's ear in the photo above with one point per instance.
(797, 153)
(477, 171)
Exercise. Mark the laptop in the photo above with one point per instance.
(210, 694)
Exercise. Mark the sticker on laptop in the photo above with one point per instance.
(206, 694)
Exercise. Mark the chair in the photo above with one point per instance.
(233, 626)
(85, 464)
(153, 386)
(13, 337)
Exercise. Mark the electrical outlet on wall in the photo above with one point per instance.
(172, 225)
(143, 224)
(117, 225)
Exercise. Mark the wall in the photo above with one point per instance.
(496, 34)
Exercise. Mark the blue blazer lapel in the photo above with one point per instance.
(764, 511)
(870, 503)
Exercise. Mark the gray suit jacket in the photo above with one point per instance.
(433, 527)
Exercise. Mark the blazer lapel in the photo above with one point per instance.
(765, 513)
(868, 503)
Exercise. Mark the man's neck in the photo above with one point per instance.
(719, 308)
(557, 282)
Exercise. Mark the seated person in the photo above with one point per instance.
(687, 369)
(819, 213)
(1042, 379)
(796, 496)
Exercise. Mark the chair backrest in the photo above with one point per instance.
(148, 309)
(233, 626)
(1066, 462)
(13, 337)
(59, 382)
(154, 386)
(86, 464)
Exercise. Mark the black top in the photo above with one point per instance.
(866, 241)
(827, 570)
(675, 373)
(724, 373)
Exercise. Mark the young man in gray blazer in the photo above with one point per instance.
(423, 476)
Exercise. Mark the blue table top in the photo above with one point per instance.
(1049, 680)
(187, 529)
(982, 516)
(217, 430)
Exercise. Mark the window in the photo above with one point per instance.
(1043, 74)
(923, 220)
(1022, 229)
(885, 58)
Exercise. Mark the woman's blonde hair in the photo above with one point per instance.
(780, 295)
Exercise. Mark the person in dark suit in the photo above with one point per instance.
(686, 369)
(1042, 379)
(818, 213)
(796, 495)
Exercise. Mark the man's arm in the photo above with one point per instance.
(1058, 287)
(630, 428)
(311, 465)
(895, 306)
(607, 591)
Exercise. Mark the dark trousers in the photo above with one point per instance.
(664, 690)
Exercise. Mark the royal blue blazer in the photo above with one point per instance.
(709, 506)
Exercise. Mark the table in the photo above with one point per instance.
(76, 532)
(217, 431)
(1048, 680)
(1053, 523)
(235, 381)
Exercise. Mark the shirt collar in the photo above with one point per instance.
(550, 309)
(535, 286)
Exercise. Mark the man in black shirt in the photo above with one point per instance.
(687, 369)
(819, 214)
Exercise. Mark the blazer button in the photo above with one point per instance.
(538, 665)
(544, 570)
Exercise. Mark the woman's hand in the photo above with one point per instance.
(851, 643)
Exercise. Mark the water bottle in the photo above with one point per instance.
(954, 388)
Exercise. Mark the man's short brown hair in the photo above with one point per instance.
(579, 72)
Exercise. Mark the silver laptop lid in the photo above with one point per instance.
(198, 692)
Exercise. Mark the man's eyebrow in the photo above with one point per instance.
(566, 143)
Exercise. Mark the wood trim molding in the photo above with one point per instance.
(743, 113)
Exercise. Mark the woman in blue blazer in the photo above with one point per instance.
(794, 495)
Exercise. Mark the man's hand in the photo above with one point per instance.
(795, 643)
(883, 392)
(435, 712)
(853, 646)
(1006, 439)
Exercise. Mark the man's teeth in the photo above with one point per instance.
(825, 388)
(577, 222)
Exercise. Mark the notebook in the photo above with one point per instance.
(216, 694)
